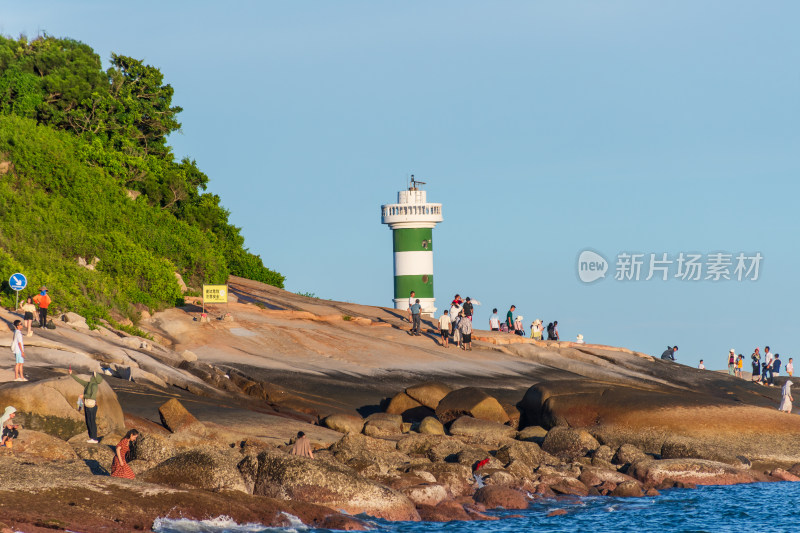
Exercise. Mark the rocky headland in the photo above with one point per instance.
(402, 428)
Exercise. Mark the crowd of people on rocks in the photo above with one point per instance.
(765, 368)
(455, 323)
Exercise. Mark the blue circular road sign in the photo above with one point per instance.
(18, 281)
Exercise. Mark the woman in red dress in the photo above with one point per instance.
(120, 468)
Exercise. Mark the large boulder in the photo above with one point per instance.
(429, 394)
(431, 426)
(470, 401)
(201, 469)
(498, 496)
(50, 406)
(407, 407)
(653, 472)
(176, 418)
(290, 477)
(153, 447)
(427, 494)
(367, 455)
(418, 444)
(42, 446)
(456, 478)
(628, 454)
(383, 425)
(526, 453)
(569, 444)
(344, 423)
(481, 430)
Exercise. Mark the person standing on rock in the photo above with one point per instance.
(465, 327)
(732, 362)
(123, 454)
(669, 353)
(415, 317)
(756, 359)
(456, 330)
(43, 301)
(776, 369)
(302, 446)
(510, 319)
(766, 366)
(468, 308)
(739, 365)
(455, 311)
(790, 368)
(786, 397)
(29, 308)
(494, 321)
(519, 329)
(411, 299)
(444, 328)
(90, 403)
(18, 349)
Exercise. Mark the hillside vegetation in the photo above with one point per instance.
(86, 171)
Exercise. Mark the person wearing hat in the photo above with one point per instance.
(43, 301)
(579, 340)
(518, 327)
(732, 362)
(536, 329)
(9, 429)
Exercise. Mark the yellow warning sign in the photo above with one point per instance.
(215, 294)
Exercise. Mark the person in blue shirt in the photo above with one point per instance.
(776, 368)
(415, 310)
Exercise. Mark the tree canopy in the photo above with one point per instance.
(117, 121)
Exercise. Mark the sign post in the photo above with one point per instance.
(217, 294)
(17, 282)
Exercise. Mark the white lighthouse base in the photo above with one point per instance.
(427, 304)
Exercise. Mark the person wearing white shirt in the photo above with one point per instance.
(18, 349)
(701, 366)
(494, 321)
(444, 329)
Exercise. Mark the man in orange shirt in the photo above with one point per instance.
(43, 301)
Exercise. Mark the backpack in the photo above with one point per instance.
(550, 331)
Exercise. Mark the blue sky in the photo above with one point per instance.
(544, 128)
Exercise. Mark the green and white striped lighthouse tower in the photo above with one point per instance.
(412, 220)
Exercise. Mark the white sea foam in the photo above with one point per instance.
(223, 524)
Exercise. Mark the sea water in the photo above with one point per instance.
(755, 507)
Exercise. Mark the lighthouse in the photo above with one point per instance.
(412, 220)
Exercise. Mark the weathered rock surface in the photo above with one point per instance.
(298, 478)
(404, 405)
(201, 469)
(429, 394)
(483, 430)
(431, 426)
(470, 401)
(698, 471)
(344, 423)
(497, 496)
(41, 445)
(383, 425)
(49, 406)
(177, 419)
(568, 443)
(431, 494)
